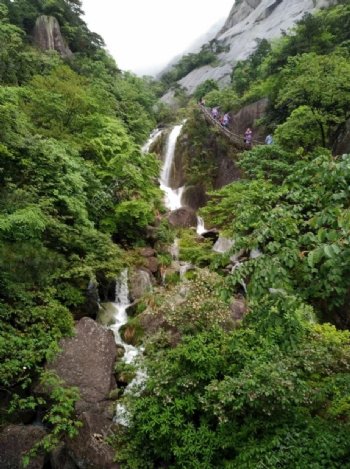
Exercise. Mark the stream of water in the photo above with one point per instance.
(114, 314)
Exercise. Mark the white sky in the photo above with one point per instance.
(144, 35)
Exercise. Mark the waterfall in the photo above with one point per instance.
(115, 316)
(169, 155)
(172, 197)
(200, 226)
(152, 138)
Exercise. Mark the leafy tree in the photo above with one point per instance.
(322, 84)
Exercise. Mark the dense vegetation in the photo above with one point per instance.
(72, 179)
(77, 194)
(272, 392)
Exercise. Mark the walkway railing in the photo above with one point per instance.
(235, 138)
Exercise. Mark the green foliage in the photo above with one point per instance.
(246, 72)
(60, 416)
(322, 83)
(200, 254)
(301, 130)
(226, 99)
(241, 399)
(298, 225)
(189, 62)
(70, 167)
(205, 88)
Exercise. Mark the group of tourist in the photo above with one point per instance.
(224, 120)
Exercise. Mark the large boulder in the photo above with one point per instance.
(194, 197)
(227, 172)
(89, 449)
(60, 458)
(140, 282)
(247, 116)
(47, 36)
(183, 217)
(87, 362)
(15, 441)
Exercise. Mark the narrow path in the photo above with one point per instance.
(236, 139)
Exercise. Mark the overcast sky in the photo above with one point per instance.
(144, 35)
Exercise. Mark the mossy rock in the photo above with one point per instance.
(132, 333)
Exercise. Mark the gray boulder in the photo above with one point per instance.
(89, 449)
(183, 217)
(15, 441)
(87, 362)
(140, 283)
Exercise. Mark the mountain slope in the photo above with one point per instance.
(248, 21)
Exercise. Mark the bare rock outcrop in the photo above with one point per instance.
(87, 362)
(247, 116)
(183, 217)
(15, 441)
(248, 22)
(47, 36)
(140, 282)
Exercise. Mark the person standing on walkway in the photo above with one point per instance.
(269, 139)
(248, 137)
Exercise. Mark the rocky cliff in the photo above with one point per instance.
(248, 21)
(47, 36)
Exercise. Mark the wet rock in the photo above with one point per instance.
(227, 172)
(106, 315)
(140, 283)
(212, 234)
(120, 351)
(15, 441)
(343, 144)
(47, 36)
(194, 197)
(89, 449)
(87, 362)
(60, 458)
(132, 308)
(246, 117)
(183, 218)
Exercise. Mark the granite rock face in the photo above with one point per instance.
(47, 36)
(248, 22)
(87, 362)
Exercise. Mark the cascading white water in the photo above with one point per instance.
(169, 155)
(172, 197)
(152, 138)
(200, 226)
(118, 316)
